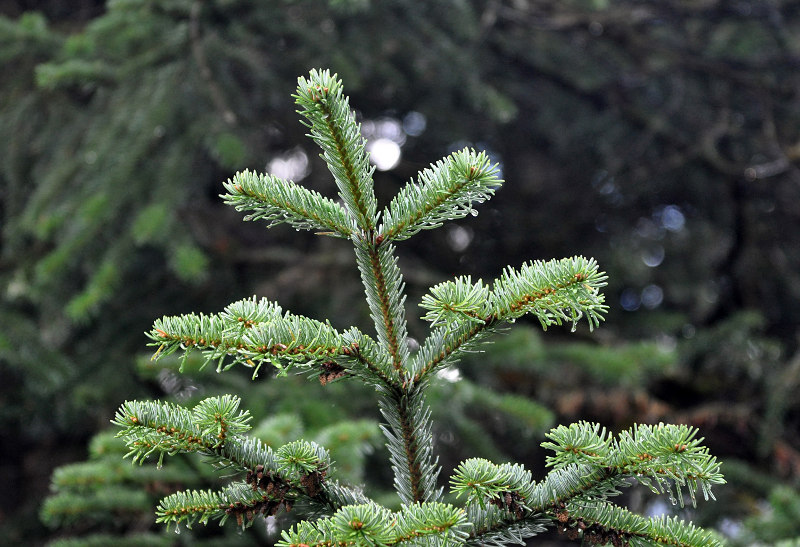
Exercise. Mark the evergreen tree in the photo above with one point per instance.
(667, 130)
(501, 503)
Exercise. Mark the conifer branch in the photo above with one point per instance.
(465, 312)
(278, 479)
(493, 526)
(276, 201)
(446, 191)
(505, 508)
(665, 457)
(367, 360)
(503, 503)
(250, 332)
(166, 428)
(262, 493)
(334, 129)
(590, 467)
(445, 346)
(556, 292)
(370, 524)
(575, 482)
(601, 523)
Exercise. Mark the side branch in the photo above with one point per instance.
(276, 201)
(251, 332)
(443, 347)
(556, 292)
(368, 360)
(505, 502)
(444, 192)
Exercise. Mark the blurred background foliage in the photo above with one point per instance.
(662, 138)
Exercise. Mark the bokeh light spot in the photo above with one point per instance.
(384, 153)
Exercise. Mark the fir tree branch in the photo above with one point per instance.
(446, 191)
(238, 500)
(445, 346)
(556, 291)
(591, 466)
(295, 472)
(334, 129)
(190, 506)
(370, 524)
(262, 493)
(573, 497)
(457, 300)
(214, 428)
(368, 360)
(496, 527)
(334, 496)
(166, 428)
(601, 523)
(276, 201)
(465, 312)
(483, 481)
(575, 482)
(250, 332)
(253, 331)
(665, 457)
(442, 523)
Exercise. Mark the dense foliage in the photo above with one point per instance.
(658, 137)
(504, 505)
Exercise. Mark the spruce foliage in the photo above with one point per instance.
(491, 504)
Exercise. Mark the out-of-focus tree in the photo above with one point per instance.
(665, 131)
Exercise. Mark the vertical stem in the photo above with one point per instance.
(410, 445)
(383, 284)
(386, 311)
(408, 428)
(402, 403)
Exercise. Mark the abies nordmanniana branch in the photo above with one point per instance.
(254, 331)
(501, 504)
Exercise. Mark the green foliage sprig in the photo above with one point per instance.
(503, 504)
(445, 191)
(665, 457)
(276, 201)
